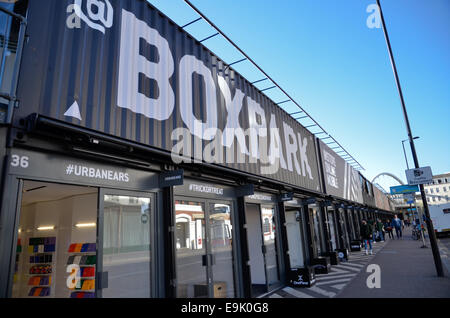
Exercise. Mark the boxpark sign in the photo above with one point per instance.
(123, 68)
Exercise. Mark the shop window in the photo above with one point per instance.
(266, 225)
(56, 241)
(126, 246)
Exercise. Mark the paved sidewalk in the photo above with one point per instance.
(407, 271)
(331, 284)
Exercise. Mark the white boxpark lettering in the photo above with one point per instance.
(257, 125)
(265, 144)
(188, 66)
(233, 106)
(131, 63)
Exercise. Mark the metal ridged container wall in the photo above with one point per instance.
(81, 62)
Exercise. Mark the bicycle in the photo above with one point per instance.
(416, 234)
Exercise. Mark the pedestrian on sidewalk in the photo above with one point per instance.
(372, 225)
(366, 236)
(379, 227)
(397, 225)
(388, 228)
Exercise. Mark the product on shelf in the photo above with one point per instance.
(82, 295)
(88, 272)
(82, 247)
(41, 269)
(81, 254)
(88, 284)
(39, 291)
(40, 280)
(41, 244)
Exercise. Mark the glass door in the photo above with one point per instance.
(295, 238)
(270, 247)
(192, 260)
(332, 230)
(345, 232)
(317, 234)
(125, 235)
(204, 249)
(220, 248)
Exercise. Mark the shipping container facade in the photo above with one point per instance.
(341, 180)
(142, 78)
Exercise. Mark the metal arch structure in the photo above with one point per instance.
(390, 175)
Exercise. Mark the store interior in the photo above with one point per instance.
(56, 248)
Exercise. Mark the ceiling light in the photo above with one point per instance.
(85, 224)
(45, 228)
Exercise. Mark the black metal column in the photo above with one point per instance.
(243, 246)
(284, 238)
(326, 228)
(169, 243)
(309, 235)
(339, 226)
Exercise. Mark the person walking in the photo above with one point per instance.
(388, 228)
(366, 236)
(379, 227)
(372, 226)
(397, 225)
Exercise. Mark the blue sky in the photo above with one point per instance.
(324, 55)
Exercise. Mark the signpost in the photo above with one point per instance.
(402, 189)
(409, 197)
(434, 246)
(419, 176)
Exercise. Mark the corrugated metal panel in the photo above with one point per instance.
(341, 180)
(64, 65)
(381, 200)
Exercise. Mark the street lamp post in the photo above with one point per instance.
(431, 234)
(422, 230)
(404, 152)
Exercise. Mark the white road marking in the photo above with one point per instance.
(322, 292)
(354, 264)
(339, 286)
(275, 296)
(343, 280)
(335, 277)
(296, 293)
(349, 268)
(334, 270)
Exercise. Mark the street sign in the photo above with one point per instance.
(419, 175)
(171, 178)
(404, 189)
(409, 197)
(287, 196)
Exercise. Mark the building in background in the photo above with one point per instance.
(438, 192)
